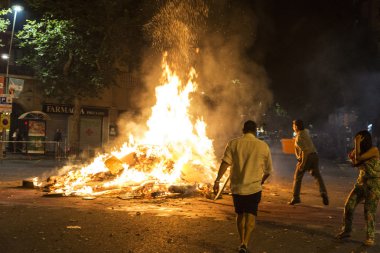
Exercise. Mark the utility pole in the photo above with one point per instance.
(16, 9)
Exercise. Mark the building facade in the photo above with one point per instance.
(98, 120)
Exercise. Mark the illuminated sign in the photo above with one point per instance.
(5, 121)
(69, 109)
(5, 103)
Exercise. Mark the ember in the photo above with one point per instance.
(174, 157)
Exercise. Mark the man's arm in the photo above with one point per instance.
(357, 141)
(265, 177)
(301, 147)
(302, 160)
(222, 169)
(268, 169)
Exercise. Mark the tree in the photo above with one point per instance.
(65, 63)
(76, 48)
(4, 22)
(277, 120)
(115, 27)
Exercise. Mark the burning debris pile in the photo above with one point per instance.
(173, 157)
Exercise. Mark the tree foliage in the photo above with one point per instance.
(65, 63)
(115, 27)
(4, 22)
(277, 119)
(76, 47)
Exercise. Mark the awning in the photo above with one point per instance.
(34, 115)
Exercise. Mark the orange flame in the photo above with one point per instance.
(172, 151)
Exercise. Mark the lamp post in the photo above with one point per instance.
(16, 9)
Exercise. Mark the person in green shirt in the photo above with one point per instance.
(367, 187)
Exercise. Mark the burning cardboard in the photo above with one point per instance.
(115, 165)
(174, 151)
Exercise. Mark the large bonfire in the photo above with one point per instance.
(173, 152)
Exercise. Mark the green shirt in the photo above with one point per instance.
(369, 171)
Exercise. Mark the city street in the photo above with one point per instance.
(126, 104)
(33, 223)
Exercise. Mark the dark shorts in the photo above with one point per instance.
(246, 203)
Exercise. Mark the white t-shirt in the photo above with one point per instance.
(303, 143)
(249, 158)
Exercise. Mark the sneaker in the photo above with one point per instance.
(369, 242)
(325, 199)
(343, 235)
(294, 201)
(243, 249)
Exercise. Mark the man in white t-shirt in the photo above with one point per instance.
(251, 164)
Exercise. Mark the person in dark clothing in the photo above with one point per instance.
(16, 137)
(58, 135)
(307, 160)
(58, 139)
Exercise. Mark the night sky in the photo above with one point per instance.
(319, 58)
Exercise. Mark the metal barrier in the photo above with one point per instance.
(58, 149)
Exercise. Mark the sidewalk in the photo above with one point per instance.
(16, 169)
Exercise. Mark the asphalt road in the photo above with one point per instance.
(33, 223)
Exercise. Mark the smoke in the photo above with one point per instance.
(233, 85)
(216, 38)
(174, 28)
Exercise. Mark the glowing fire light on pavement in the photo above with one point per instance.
(172, 151)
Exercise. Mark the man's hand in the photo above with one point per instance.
(222, 169)
(216, 186)
(265, 176)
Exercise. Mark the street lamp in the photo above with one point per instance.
(16, 8)
(4, 56)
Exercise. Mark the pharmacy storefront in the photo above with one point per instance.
(93, 123)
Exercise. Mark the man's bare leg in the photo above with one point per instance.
(240, 222)
(250, 223)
